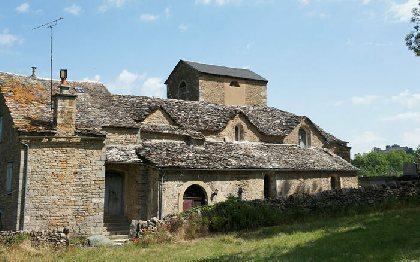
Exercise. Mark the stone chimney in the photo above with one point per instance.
(64, 108)
(33, 71)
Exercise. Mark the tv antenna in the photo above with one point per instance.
(50, 25)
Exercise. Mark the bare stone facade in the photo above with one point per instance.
(66, 190)
(190, 83)
(98, 157)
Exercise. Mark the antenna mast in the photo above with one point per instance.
(50, 25)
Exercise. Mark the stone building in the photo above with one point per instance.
(98, 159)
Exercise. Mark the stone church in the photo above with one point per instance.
(80, 157)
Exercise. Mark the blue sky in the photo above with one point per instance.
(343, 63)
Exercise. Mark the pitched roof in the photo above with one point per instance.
(28, 98)
(218, 155)
(225, 71)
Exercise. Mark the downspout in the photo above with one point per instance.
(24, 187)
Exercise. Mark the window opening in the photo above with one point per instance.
(303, 138)
(234, 83)
(9, 177)
(239, 133)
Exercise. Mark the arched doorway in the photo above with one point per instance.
(194, 196)
(266, 187)
(113, 194)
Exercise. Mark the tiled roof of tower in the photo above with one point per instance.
(225, 71)
(217, 155)
(28, 99)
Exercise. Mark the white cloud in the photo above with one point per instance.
(406, 116)
(412, 137)
(127, 77)
(73, 9)
(363, 100)
(95, 79)
(407, 99)
(365, 2)
(153, 86)
(7, 39)
(182, 28)
(148, 18)
(366, 141)
(107, 4)
(403, 11)
(23, 8)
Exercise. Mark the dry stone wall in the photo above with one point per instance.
(190, 77)
(66, 185)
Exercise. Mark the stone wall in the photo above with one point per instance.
(11, 151)
(159, 117)
(121, 135)
(315, 138)
(190, 77)
(225, 183)
(250, 133)
(289, 183)
(38, 239)
(217, 89)
(66, 185)
(341, 150)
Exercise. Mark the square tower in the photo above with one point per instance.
(216, 84)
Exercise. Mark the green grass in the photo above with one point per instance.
(383, 236)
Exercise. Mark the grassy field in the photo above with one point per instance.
(386, 236)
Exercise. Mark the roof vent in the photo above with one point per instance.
(33, 71)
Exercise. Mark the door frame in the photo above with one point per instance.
(122, 176)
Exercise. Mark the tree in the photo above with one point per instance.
(412, 39)
(383, 163)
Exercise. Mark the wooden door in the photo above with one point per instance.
(113, 195)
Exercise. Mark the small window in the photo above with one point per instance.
(234, 83)
(303, 139)
(182, 90)
(9, 177)
(335, 183)
(1, 129)
(239, 133)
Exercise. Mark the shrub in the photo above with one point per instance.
(14, 239)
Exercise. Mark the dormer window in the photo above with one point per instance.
(303, 138)
(239, 133)
(234, 83)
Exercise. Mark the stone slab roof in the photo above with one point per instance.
(217, 155)
(225, 71)
(28, 98)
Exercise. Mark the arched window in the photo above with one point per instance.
(239, 133)
(194, 196)
(234, 83)
(303, 139)
(182, 90)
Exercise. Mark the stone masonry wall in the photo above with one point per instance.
(217, 89)
(190, 76)
(315, 138)
(250, 133)
(288, 183)
(159, 117)
(226, 183)
(66, 185)
(121, 136)
(10, 152)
